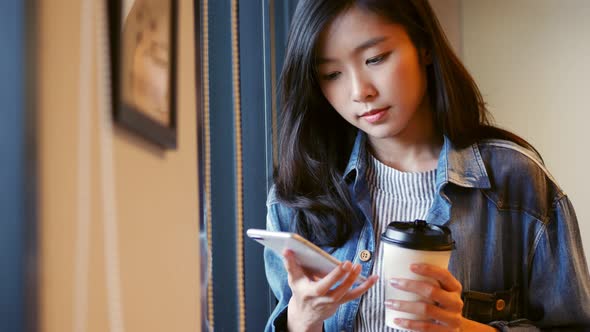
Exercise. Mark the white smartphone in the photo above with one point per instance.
(307, 254)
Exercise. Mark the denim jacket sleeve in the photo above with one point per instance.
(559, 279)
(277, 220)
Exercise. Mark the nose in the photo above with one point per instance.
(362, 88)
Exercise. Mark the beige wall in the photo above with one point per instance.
(448, 13)
(531, 59)
(155, 190)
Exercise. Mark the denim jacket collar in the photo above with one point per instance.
(463, 167)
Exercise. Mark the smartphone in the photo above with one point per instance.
(307, 254)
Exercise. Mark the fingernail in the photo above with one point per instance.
(394, 282)
(416, 267)
(392, 304)
(399, 322)
(346, 266)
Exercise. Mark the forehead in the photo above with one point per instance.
(354, 27)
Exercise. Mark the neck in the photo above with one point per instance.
(416, 149)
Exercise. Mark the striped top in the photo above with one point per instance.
(396, 196)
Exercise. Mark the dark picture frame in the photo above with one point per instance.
(143, 43)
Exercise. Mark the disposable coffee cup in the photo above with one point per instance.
(407, 243)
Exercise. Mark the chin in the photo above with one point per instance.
(381, 134)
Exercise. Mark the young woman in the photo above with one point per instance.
(381, 122)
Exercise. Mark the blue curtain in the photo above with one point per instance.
(17, 170)
(258, 115)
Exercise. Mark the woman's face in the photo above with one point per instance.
(372, 74)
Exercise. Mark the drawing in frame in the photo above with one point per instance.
(143, 60)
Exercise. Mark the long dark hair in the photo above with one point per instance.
(315, 141)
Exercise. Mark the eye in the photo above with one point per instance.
(331, 76)
(377, 59)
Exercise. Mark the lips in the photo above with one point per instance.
(375, 111)
(375, 115)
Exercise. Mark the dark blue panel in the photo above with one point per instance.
(254, 131)
(12, 171)
(284, 10)
(267, 9)
(223, 204)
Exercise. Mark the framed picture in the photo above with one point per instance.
(143, 53)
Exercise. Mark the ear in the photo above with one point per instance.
(426, 56)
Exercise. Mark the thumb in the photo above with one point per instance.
(294, 270)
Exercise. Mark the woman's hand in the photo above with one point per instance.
(445, 309)
(314, 297)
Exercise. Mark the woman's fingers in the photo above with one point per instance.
(343, 293)
(294, 270)
(346, 272)
(360, 290)
(446, 290)
(326, 283)
(445, 299)
(416, 325)
(338, 292)
(442, 303)
(444, 277)
(322, 285)
(444, 317)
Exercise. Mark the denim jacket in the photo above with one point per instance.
(518, 249)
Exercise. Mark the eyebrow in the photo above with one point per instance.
(365, 45)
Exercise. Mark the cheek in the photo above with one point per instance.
(408, 82)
